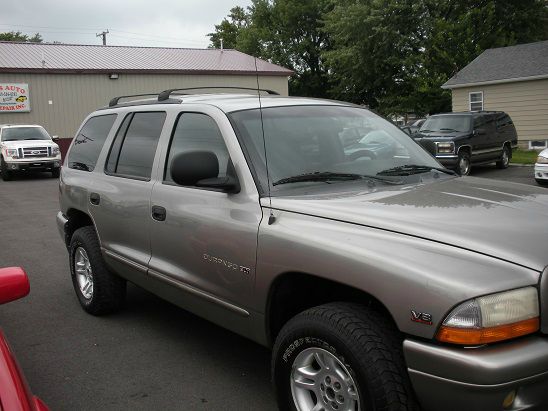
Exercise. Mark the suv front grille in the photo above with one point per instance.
(544, 301)
(428, 144)
(35, 152)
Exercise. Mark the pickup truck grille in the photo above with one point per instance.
(544, 302)
(428, 144)
(36, 152)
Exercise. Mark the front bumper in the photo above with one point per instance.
(479, 379)
(448, 160)
(36, 165)
(541, 172)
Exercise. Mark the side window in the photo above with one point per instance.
(475, 100)
(89, 142)
(479, 121)
(503, 120)
(133, 149)
(197, 132)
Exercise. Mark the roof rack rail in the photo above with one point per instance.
(115, 100)
(164, 95)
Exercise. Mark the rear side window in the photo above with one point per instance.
(197, 132)
(88, 143)
(133, 149)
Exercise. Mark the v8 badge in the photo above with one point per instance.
(423, 318)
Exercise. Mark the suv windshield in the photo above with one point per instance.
(447, 124)
(315, 145)
(25, 133)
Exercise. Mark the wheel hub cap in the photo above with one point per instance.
(464, 165)
(321, 382)
(84, 274)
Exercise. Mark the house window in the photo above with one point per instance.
(538, 144)
(476, 101)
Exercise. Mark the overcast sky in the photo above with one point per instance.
(155, 23)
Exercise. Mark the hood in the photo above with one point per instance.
(505, 220)
(28, 143)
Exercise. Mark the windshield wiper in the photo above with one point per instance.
(449, 129)
(33, 138)
(328, 176)
(410, 169)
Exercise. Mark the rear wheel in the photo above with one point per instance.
(504, 161)
(464, 164)
(98, 290)
(6, 174)
(340, 356)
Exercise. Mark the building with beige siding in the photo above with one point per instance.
(512, 79)
(58, 85)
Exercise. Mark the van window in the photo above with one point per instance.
(132, 152)
(88, 143)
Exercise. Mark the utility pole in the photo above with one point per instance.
(104, 36)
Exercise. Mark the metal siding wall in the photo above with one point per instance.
(74, 96)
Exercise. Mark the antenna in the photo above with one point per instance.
(271, 217)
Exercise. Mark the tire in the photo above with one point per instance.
(6, 174)
(108, 291)
(541, 182)
(504, 161)
(464, 164)
(365, 346)
(55, 173)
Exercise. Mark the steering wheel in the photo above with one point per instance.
(361, 153)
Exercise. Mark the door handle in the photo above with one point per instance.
(158, 213)
(94, 198)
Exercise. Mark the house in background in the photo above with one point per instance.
(511, 79)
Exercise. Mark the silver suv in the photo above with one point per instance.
(380, 279)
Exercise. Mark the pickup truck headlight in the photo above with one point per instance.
(445, 148)
(12, 152)
(542, 160)
(492, 318)
(55, 151)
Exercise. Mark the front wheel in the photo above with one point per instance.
(464, 164)
(55, 173)
(6, 174)
(541, 182)
(504, 161)
(340, 356)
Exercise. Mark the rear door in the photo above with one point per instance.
(120, 197)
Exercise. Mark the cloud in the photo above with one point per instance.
(155, 23)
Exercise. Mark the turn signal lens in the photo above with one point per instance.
(495, 317)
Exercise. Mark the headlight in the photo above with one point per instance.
(492, 318)
(55, 151)
(12, 152)
(542, 160)
(445, 148)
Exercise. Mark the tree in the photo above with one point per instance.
(229, 29)
(18, 36)
(285, 32)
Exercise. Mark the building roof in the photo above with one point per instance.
(71, 58)
(503, 65)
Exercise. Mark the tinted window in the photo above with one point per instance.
(25, 133)
(197, 132)
(89, 142)
(503, 120)
(132, 152)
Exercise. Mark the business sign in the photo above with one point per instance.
(14, 98)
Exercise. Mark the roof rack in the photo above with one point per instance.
(164, 95)
(115, 100)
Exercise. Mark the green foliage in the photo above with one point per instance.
(392, 55)
(18, 36)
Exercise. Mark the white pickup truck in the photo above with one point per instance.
(27, 148)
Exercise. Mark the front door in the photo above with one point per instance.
(204, 240)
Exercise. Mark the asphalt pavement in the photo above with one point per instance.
(151, 356)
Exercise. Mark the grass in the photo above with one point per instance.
(520, 156)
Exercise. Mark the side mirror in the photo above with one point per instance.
(55, 138)
(200, 169)
(479, 132)
(14, 284)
